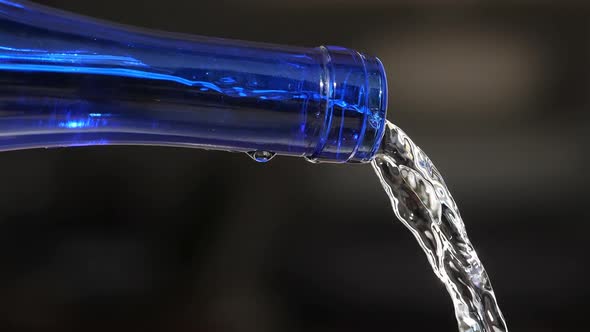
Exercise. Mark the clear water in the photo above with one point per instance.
(422, 202)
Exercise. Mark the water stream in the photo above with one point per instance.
(422, 202)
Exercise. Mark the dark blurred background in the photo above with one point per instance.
(163, 239)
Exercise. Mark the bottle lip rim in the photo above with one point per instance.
(372, 103)
(381, 113)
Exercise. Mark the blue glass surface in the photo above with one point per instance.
(67, 80)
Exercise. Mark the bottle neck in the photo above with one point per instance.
(70, 80)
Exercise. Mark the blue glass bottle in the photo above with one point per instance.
(67, 80)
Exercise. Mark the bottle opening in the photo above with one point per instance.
(355, 91)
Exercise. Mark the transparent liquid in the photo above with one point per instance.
(422, 202)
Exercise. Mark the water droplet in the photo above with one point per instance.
(261, 156)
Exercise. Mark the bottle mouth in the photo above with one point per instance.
(356, 94)
(376, 105)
